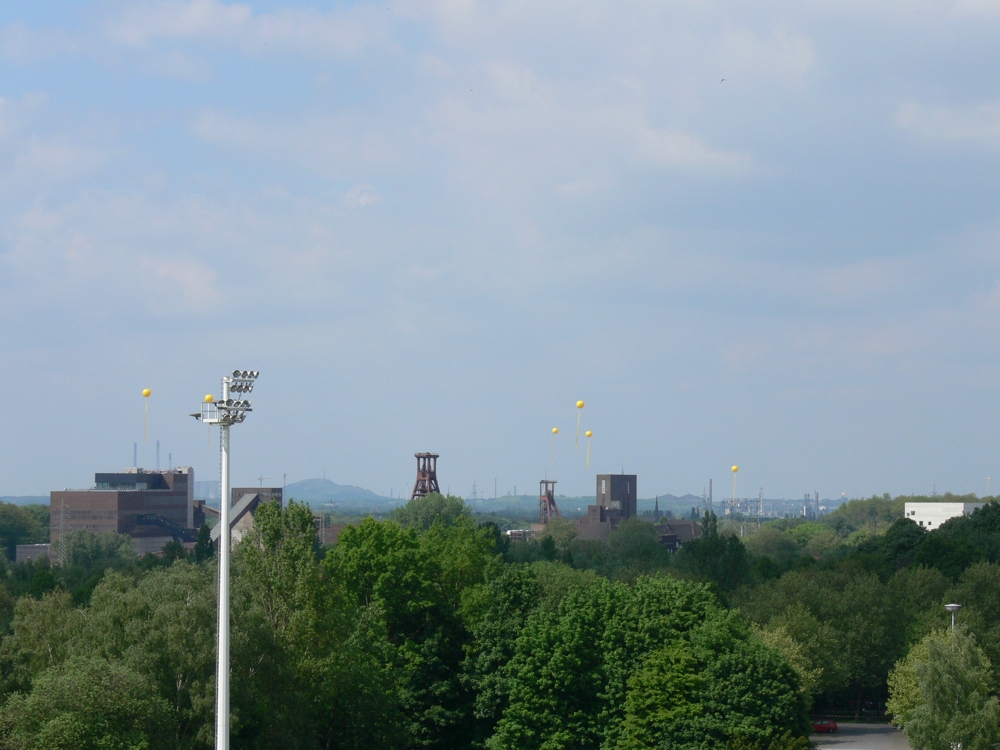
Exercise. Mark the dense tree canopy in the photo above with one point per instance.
(431, 630)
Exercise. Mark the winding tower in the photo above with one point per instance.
(547, 508)
(427, 481)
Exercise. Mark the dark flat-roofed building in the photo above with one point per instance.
(152, 507)
(674, 532)
(26, 552)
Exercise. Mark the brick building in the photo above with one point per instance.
(152, 507)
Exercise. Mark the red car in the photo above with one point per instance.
(825, 725)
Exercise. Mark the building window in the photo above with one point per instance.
(604, 487)
(615, 505)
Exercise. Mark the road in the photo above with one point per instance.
(862, 737)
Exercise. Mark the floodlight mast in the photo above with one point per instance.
(225, 413)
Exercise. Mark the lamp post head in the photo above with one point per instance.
(953, 607)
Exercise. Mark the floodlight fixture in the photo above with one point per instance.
(953, 608)
(225, 412)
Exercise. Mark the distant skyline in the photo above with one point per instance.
(753, 233)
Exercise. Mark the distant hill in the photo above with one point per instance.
(26, 500)
(314, 491)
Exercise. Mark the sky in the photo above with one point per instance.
(753, 233)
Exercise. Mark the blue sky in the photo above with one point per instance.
(762, 233)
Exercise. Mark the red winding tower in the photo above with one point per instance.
(547, 507)
(427, 481)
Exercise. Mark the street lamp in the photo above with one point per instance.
(953, 608)
(225, 412)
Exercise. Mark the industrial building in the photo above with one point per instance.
(931, 515)
(674, 532)
(27, 552)
(616, 502)
(243, 504)
(152, 507)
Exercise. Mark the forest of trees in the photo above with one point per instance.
(430, 630)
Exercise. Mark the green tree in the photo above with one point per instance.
(88, 550)
(44, 633)
(547, 548)
(462, 552)
(978, 590)
(422, 512)
(386, 566)
(720, 558)
(779, 638)
(951, 554)
(557, 675)
(161, 626)
(501, 611)
(772, 542)
(86, 703)
(716, 686)
(20, 525)
(871, 516)
(941, 695)
(203, 548)
(816, 640)
(598, 657)
(563, 531)
(636, 544)
(870, 636)
(322, 681)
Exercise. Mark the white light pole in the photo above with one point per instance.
(225, 413)
(953, 608)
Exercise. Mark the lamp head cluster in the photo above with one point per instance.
(229, 411)
(242, 381)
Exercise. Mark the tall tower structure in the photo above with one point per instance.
(547, 507)
(427, 481)
(616, 497)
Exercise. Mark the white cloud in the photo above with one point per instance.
(21, 44)
(43, 161)
(141, 24)
(306, 32)
(360, 196)
(746, 55)
(32, 162)
(671, 149)
(977, 124)
(582, 188)
(328, 144)
(194, 282)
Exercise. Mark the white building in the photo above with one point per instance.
(932, 515)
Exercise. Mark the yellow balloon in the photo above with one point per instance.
(555, 430)
(209, 398)
(736, 468)
(579, 404)
(146, 392)
(588, 433)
